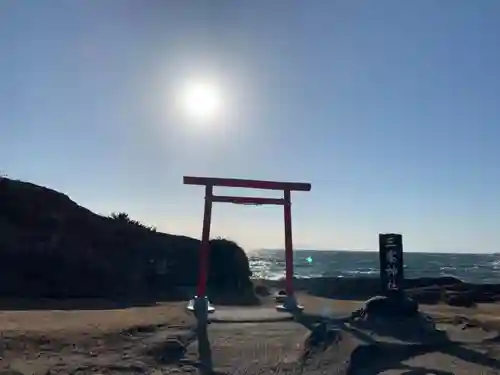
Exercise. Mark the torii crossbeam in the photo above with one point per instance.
(200, 301)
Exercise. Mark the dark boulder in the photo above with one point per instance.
(229, 266)
(462, 300)
(383, 306)
(362, 288)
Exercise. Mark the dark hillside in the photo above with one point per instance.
(52, 247)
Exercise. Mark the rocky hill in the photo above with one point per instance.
(51, 247)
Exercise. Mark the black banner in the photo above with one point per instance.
(391, 262)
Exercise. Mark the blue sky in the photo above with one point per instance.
(389, 108)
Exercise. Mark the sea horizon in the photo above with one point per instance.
(451, 252)
(473, 267)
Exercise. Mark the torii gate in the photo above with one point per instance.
(200, 303)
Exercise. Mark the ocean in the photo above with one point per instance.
(475, 268)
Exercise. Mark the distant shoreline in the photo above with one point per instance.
(428, 290)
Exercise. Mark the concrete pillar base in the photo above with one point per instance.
(200, 306)
(289, 305)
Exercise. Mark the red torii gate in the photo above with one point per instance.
(209, 183)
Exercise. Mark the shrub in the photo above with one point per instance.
(124, 218)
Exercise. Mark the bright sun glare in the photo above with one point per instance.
(202, 101)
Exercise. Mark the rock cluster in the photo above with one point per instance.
(396, 317)
(427, 290)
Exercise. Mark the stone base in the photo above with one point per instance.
(289, 305)
(396, 319)
(417, 329)
(200, 306)
(280, 297)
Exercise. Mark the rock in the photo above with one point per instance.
(169, 351)
(428, 297)
(262, 290)
(462, 300)
(382, 306)
(365, 287)
(422, 290)
(51, 247)
(320, 337)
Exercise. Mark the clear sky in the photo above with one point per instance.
(389, 108)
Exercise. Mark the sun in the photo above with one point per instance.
(202, 101)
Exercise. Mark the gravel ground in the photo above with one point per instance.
(163, 339)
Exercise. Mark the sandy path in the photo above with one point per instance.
(269, 347)
(92, 321)
(86, 341)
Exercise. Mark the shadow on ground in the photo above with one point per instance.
(172, 350)
(373, 357)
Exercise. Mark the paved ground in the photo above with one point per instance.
(253, 348)
(248, 315)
